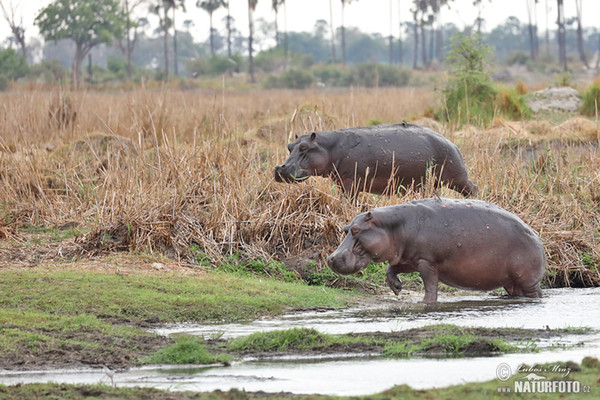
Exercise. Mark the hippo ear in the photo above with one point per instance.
(296, 137)
(368, 216)
(313, 136)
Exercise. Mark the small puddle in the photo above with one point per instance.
(357, 376)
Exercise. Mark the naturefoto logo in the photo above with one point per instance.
(535, 382)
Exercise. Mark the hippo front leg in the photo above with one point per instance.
(391, 274)
(429, 274)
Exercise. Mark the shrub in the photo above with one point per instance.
(212, 66)
(512, 105)
(591, 100)
(469, 93)
(291, 79)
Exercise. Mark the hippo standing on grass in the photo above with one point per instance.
(468, 244)
(378, 159)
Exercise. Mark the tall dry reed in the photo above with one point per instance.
(161, 171)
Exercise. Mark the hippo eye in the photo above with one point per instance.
(303, 147)
(355, 230)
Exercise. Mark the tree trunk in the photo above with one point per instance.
(343, 35)
(400, 55)
(391, 42)
(250, 39)
(276, 29)
(166, 44)
(90, 71)
(228, 32)
(175, 45)
(333, 57)
(547, 36)
(598, 56)
(128, 40)
(285, 34)
(212, 44)
(423, 43)
(416, 35)
(531, 31)
(77, 62)
(580, 47)
(562, 51)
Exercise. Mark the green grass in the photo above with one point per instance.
(187, 349)
(587, 375)
(281, 340)
(170, 297)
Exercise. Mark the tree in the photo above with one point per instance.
(275, 5)
(562, 36)
(86, 22)
(129, 7)
(582, 57)
(333, 57)
(173, 4)
(210, 6)
(343, 29)
(532, 32)
(16, 26)
(251, 8)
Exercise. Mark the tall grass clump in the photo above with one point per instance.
(469, 94)
(591, 100)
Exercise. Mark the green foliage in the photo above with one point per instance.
(564, 79)
(48, 71)
(213, 66)
(88, 22)
(400, 349)
(591, 100)
(449, 343)
(372, 75)
(295, 338)
(321, 278)
(291, 79)
(187, 349)
(512, 105)
(12, 67)
(469, 93)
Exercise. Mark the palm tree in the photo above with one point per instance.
(164, 22)
(251, 8)
(173, 4)
(344, 30)
(275, 4)
(210, 6)
(582, 57)
(333, 58)
(562, 46)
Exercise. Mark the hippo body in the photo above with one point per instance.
(469, 244)
(378, 159)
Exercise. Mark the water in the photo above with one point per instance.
(343, 375)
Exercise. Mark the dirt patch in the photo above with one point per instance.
(80, 349)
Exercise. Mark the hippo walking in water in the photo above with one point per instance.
(468, 244)
(378, 159)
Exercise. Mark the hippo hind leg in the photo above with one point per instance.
(515, 290)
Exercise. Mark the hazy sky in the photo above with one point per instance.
(367, 15)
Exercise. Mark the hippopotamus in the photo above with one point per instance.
(468, 244)
(382, 159)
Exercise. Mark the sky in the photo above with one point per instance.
(367, 15)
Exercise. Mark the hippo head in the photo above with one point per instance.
(367, 239)
(307, 158)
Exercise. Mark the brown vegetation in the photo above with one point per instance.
(160, 171)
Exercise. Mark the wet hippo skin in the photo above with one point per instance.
(468, 244)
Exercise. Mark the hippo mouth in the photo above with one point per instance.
(297, 177)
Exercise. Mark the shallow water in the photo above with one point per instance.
(559, 308)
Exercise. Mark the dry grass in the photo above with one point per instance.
(160, 171)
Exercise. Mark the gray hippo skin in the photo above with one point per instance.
(365, 159)
(468, 244)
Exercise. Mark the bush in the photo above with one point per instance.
(512, 105)
(591, 100)
(292, 79)
(469, 93)
(213, 66)
(12, 67)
